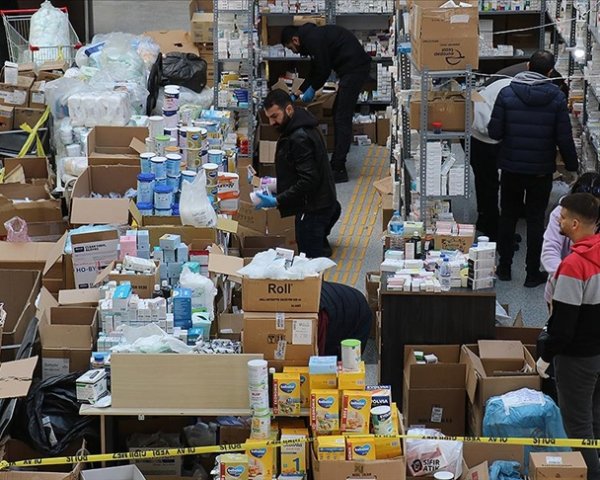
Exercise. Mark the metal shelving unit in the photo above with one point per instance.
(245, 66)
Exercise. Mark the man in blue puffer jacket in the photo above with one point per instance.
(530, 118)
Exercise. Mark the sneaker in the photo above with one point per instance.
(535, 279)
(503, 273)
(340, 175)
(327, 250)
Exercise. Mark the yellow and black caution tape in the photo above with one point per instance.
(257, 444)
(34, 136)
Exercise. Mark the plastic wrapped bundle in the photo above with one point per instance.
(99, 108)
(524, 413)
(49, 28)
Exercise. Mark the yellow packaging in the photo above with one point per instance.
(233, 466)
(360, 448)
(293, 455)
(322, 381)
(331, 448)
(304, 384)
(386, 448)
(286, 394)
(325, 411)
(395, 418)
(353, 380)
(260, 462)
(356, 411)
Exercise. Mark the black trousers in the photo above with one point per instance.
(349, 89)
(313, 228)
(536, 189)
(487, 186)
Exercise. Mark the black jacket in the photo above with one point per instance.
(531, 119)
(514, 70)
(304, 178)
(331, 48)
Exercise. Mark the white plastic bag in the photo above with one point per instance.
(195, 208)
(49, 27)
(425, 457)
(203, 290)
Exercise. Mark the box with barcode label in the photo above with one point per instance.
(563, 465)
(281, 336)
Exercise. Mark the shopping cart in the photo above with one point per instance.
(17, 23)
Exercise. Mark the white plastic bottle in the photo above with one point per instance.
(445, 275)
(396, 231)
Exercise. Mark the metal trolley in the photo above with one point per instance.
(17, 24)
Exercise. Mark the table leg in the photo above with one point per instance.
(103, 437)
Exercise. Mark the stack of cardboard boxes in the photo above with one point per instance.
(201, 29)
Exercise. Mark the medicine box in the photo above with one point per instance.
(91, 386)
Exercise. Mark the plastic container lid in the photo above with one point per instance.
(350, 343)
(163, 189)
(173, 156)
(436, 124)
(145, 206)
(146, 177)
(158, 159)
(163, 138)
(147, 155)
(98, 357)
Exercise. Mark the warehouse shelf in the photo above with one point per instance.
(508, 12)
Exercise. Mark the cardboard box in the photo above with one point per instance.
(16, 94)
(518, 331)
(41, 207)
(266, 131)
(202, 27)
(13, 450)
(453, 242)
(31, 170)
(25, 256)
(16, 378)
(563, 465)
(92, 252)
(27, 115)
(142, 285)
(116, 144)
(37, 95)
(147, 381)
(483, 384)
(318, 20)
(267, 222)
(125, 472)
(233, 324)
(250, 244)
(344, 470)
(298, 296)
(368, 129)
(372, 284)
(103, 180)
(434, 394)
(19, 291)
(445, 38)
(478, 456)
(173, 41)
(281, 336)
(266, 151)
(7, 115)
(445, 107)
(383, 130)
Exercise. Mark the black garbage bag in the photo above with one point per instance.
(52, 419)
(184, 69)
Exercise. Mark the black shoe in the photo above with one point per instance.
(327, 250)
(503, 273)
(535, 279)
(516, 247)
(340, 175)
(518, 238)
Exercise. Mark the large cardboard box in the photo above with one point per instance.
(267, 222)
(37, 95)
(491, 377)
(477, 457)
(16, 95)
(40, 208)
(266, 295)
(19, 291)
(368, 129)
(32, 170)
(557, 465)
(447, 108)
(266, 151)
(142, 285)
(116, 145)
(7, 115)
(281, 336)
(103, 180)
(252, 243)
(27, 115)
(453, 242)
(445, 38)
(16, 378)
(173, 41)
(13, 450)
(25, 256)
(212, 382)
(434, 394)
(383, 130)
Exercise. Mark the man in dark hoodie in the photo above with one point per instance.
(530, 118)
(305, 186)
(573, 339)
(332, 47)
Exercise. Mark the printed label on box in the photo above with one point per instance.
(37, 97)
(437, 414)
(280, 321)
(280, 351)
(302, 332)
(52, 367)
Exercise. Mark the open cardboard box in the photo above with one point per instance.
(40, 208)
(142, 285)
(13, 450)
(482, 383)
(518, 331)
(103, 180)
(124, 472)
(434, 394)
(25, 256)
(448, 108)
(19, 291)
(173, 41)
(557, 465)
(33, 170)
(15, 380)
(116, 145)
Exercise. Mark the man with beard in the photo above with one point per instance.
(305, 186)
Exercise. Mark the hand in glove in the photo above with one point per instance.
(266, 201)
(542, 367)
(308, 96)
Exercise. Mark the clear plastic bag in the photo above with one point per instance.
(203, 290)
(188, 99)
(195, 208)
(425, 457)
(16, 230)
(49, 27)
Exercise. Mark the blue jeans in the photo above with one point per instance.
(313, 228)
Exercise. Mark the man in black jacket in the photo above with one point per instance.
(305, 183)
(332, 48)
(531, 119)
